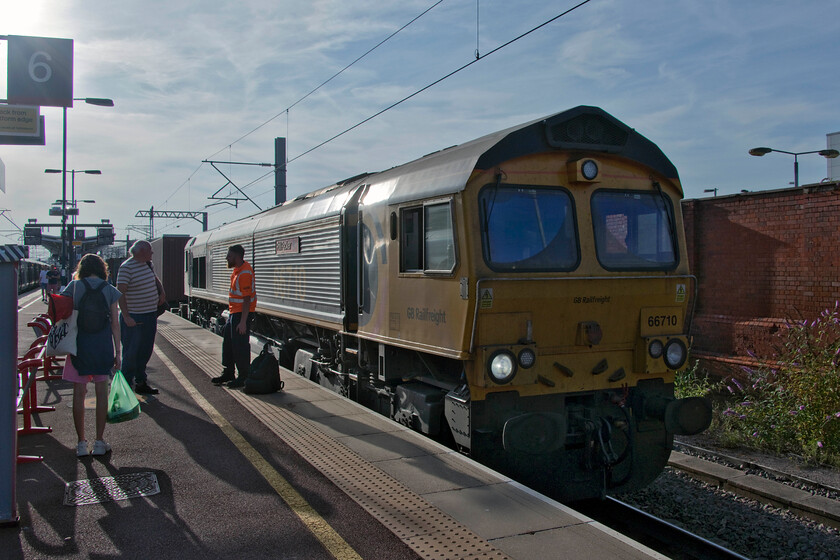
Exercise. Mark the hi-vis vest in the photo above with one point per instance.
(242, 285)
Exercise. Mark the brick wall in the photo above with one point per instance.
(760, 258)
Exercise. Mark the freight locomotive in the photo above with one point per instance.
(525, 297)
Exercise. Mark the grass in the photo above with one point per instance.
(791, 405)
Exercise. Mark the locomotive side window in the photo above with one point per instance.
(427, 240)
(198, 274)
(410, 240)
(528, 228)
(633, 230)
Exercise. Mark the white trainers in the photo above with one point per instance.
(100, 448)
(82, 449)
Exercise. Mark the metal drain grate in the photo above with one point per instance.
(110, 488)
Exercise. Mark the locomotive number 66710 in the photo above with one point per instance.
(524, 296)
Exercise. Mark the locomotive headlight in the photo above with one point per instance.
(655, 349)
(502, 366)
(675, 353)
(526, 358)
(589, 169)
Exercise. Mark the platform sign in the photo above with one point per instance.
(40, 71)
(20, 120)
(39, 140)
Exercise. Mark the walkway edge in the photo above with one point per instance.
(818, 508)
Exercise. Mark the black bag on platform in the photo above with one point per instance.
(264, 374)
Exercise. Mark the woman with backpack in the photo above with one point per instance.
(97, 346)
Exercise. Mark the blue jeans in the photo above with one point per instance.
(138, 343)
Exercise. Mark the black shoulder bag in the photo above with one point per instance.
(162, 308)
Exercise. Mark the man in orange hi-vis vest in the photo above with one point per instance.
(242, 302)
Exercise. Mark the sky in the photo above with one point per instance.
(219, 80)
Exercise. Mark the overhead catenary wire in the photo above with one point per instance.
(421, 90)
(478, 58)
(331, 78)
(314, 90)
(439, 80)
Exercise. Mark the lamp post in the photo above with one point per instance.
(72, 252)
(824, 153)
(102, 102)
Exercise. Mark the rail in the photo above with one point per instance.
(666, 538)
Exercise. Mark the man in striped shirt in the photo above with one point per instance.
(242, 302)
(141, 291)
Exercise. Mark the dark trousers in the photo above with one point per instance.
(138, 343)
(236, 348)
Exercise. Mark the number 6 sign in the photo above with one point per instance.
(40, 71)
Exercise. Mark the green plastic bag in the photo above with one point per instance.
(122, 403)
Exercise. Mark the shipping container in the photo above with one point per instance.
(168, 260)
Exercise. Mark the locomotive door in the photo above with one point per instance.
(371, 256)
(351, 220)
(365, 260)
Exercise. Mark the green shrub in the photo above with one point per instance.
(693, 381)
(792, 405)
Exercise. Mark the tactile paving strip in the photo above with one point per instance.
(110, 488)
(428, 531)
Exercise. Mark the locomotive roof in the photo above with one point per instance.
(447, 171)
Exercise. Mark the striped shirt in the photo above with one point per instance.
(141, 292)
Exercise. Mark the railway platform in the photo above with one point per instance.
(212, 472)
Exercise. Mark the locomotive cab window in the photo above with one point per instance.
(528, 229)
(427, 239)
(634, 230)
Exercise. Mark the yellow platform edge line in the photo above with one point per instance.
(316, 524)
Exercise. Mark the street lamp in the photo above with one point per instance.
(73, 178)
(72, 253)
(102, 102)
(824, 153)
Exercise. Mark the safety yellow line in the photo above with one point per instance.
(319, 527)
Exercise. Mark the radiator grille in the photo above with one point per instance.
(310, 277)
(585, 130)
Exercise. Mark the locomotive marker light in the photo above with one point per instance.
(583, 170)
(589, 169)
(527, 358)
(655, 349)
(502, 366)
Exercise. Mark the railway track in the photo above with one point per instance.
(666, 538)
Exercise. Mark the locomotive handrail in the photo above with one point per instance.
(552, 278)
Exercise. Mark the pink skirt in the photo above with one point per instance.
(70, 373)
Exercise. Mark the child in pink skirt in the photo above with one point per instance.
(97, 353)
